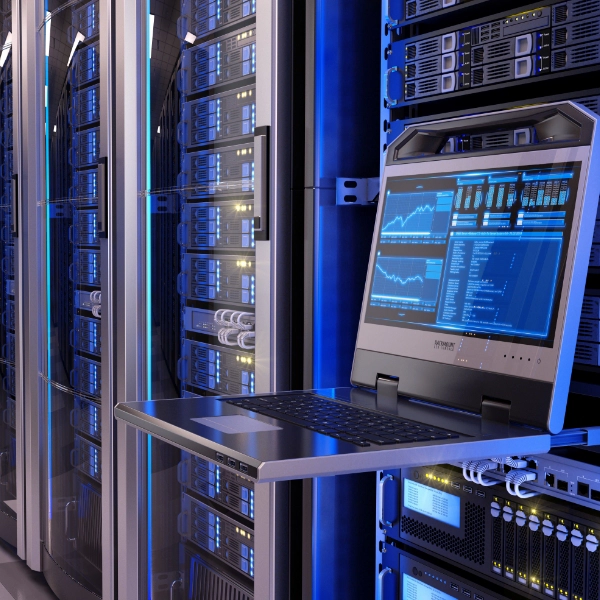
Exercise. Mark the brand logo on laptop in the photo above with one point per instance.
(440, 345)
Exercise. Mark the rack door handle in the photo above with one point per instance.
(380, 516)
(380, 578)
(261, 183)
(391, 101)
(391, 22)
(15, 205)
(102, 198)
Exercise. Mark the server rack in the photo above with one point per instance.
(10, 332)
(213, 157)
(77, 407)
(447, 59)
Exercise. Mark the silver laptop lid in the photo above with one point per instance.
(479, 262)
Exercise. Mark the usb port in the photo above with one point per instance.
(467, 593)
(220, 457)
(231, 463)
(454, 587)
(480, 493)
(455, 485)
(243, 468)
(477, 597)
(468, 489)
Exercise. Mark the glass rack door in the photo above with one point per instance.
(74, 225)
(201, 277)
(8, 324)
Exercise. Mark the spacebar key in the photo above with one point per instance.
(282, 417)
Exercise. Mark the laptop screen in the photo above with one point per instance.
(478, 253)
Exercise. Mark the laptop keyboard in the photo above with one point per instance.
(342, 421)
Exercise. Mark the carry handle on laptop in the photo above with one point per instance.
(561, 123)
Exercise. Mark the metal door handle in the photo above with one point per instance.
(15, 206)
(102, 198)
(261, 183)
(380, 579)
(391, 101)
(380, 516)
(172, 589)
(392, 23)
(68, 531)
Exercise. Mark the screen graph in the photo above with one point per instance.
(416, 214)
(406, 281)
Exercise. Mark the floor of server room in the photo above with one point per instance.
(18, 581)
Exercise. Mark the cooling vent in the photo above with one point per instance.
(593, 575)
(586, 329)
(484, 34)
(89, 536)
(592, 103)
(560, 13)
(496, 72)
(410, 90)
(584, 54)
(497, 139)
(471, 547)
(585, 30)
(562, 578)
(206, 584)
(583, 8)
(587, 308)
(411, 10)
(478, 56)
(474, 36)
(411, 71)
(201, 379)
(428, 67)
(430, 46)
(560, 36)
(411, 52)
(476, 142)
(425, 6)
(499, 50)
(496, 30)
(559, 60)
(583, 353)
(476, 76)
(578, 581)
(427, 87)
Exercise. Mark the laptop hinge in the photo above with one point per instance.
(387, 393)
(496, 410)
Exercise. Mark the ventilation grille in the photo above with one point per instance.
(89, 538)
(536, 555)
(559, 60)
(478, 55)
(584, 353)
(425, 6)
(476, 76)
(499, 50)
(583, 8)
(594, 575)
(499, 72)
(584, 54)
(411, 52)
(591, 102)
(429, 46)
(422, 68)
(560, 36)
(471, 548)
(549, 558)
(585, 30)
(560, 13)
(563, 565)
(493, 140)
(578, 581)
(206, 584)
(411, 10)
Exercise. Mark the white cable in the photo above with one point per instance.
(467, 465)
(224, 336)
(246, 340)
(243, 320)
(517, 478)
(516, 463)
(483, 466)
(97, 311)
(96, 297)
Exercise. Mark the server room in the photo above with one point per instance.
(300, 300)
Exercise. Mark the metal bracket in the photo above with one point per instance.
(495, 410)
(352, 190)
(387, 393)
(589, 436)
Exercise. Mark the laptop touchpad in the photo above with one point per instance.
(236, 424)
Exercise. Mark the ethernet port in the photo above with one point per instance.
(563, 486)
(583, 489)
(595, 495)
(549, 480)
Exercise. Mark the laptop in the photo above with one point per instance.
(469, 320)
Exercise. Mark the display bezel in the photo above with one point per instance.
(530, 360)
